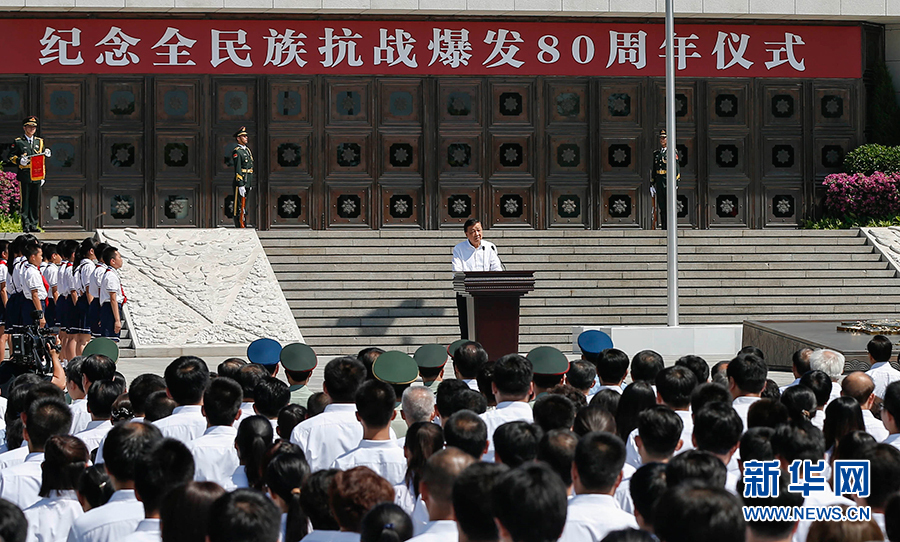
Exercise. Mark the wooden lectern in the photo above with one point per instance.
(492, 300)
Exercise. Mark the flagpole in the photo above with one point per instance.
(671, 176)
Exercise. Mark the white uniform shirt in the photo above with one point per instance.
(50, 519)
(111, 522)
(468, 258)
(818, 498)
(94, 434)
(237, 480)
(148, 530)
(329, 435)
(384, 457)
(96, 278)
(16, 275)
(331, 536)
(4, 271)
(185, 424)
(111, 283)
(33, 281)
(214, 455)
(405, 498)
(247, 410)
(80, 416)
(882, 374)
(82, 275)
(51, 274)
(741, 405)
(623, 492)
(893, 440)
(14, 457)
(874, 426)
(506, 411)
(20, 484)
(633, 456)
(590, 518)
(438, 531)
(62, 278)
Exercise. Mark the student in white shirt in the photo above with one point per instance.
(162, 467)
(120, 516)
(612, 368)
(253, 440)
(284, 479)
(890, 414)
(215, 457)
(140, 389)
(645, 487)
(861, 387)
(512, 386)
(314, 501)
(821, 386)
(270, 395)
(530, 504)
(718, 430)
(377, 450)
(472, 501)
(335, 431)
(385, 522)
(244, 514)
(660, 436)
(186, 379)
(596, 473)
(468, 358)
(440, 472)
(50, 272)
(184, 513)
(111, 295)
(473, 254)
(101, 397)
(47, 416)
(248, 377)
(96, 367)
(80, 415)
(95, 286)
(747, 375)
(882, 372)
(50, 519)
(674, 386)
(688, 512)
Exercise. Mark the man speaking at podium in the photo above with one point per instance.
(473, 254)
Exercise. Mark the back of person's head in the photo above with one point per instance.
(675, 386)
(124, 444)
(284, 477)
(184, 513)
(74, 374)
(792, 442)
(445, 396)
(892, 517)
(230, 368)
(249, 376)
(859, 386)
(314, 500)
(853, 445)
(485, 379)
(612, 365)
(608, 400)
(13, 525)
(472, 500)
(244, 515)
(767, 413)
(828, 361)
(879, 347)
(42, 390)
(101, 396)
(98, 367)
(771, 529)
(387, 522)
(186, 379)
(581, 375)
(660, 430)
(418, 404)
(748, 372)
(512, 375)
(647, 485)
(164, 465)
(696, 365)
(553, 411)
(354, 492)
(375, 402)
(884, 469)
(141, 388)
(771, 390)
(468, 358)
(46, 417)
(717, 428)
(599, 458)
(756, 444)
(222, 401)
(270, 395)
(695, 513)
(158, 406)
(517, 442)
(65, 458)
(468, 400)
(709, 393)
(800, 360)
(800, 402)
(557, 450)
(593, 418)
(530, 503)
(441, 471)
(636, 398)
(842, 416)
(367, 357)
(423, 439)
(467, 431)
(94, 487)
(254, 437)
(343, 377)
(697, 465)
(317, 402)
(844, 531)
(751, 350)
(288, 418)
(820, 384)
(645, 365)
(891, 402)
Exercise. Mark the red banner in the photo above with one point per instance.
(175, 46)
(37, 167)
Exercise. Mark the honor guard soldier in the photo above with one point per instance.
(399, 370)
(550, 366)
(430, 359)
(30, 173)
(298, 361)
(265, 352)
(591, 343)
(658, 176)
(243, 177)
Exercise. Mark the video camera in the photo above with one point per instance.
(31, 349)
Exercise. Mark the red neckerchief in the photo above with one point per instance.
(121, 289)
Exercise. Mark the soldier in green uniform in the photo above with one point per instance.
(298, 361)
(550, 366)
(399, 370)
(243, 177)
(431, 359)
(22, 150)
(658, 176)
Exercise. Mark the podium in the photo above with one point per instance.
(492, 303)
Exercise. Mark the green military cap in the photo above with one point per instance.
(454, 346)
(103, 346)
(298, 357)
(547, 360)
(431, 356)
(30, 121)
(241, 132)
(395, 367)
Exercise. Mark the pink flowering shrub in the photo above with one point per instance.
(10, 195)
(875, 195)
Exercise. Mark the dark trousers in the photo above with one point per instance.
(462, 310)
(31, 203)
(240, 210)
(662, 205)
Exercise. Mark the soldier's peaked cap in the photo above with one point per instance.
(395, 367)
(454, 346)
(241, 132)
(30, 121)
(594, 341)
(547, 360)
(264, 351)
(662, 133)
(430, 356)
(103, 346)
(298, 357)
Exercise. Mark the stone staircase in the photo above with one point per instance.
(353, 289)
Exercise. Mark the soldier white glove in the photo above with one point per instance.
(47, 153)
(653, 191)
(42, 182)
(242, 191)
(24, 161)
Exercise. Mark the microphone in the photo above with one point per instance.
(484, 264)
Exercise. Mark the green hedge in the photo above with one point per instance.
(867, 159)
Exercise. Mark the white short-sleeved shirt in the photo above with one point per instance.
(111, 522)
(185, 424)
(51, 274)
(16, 276)
(329, 435)
(384, 457)
(94, 434)
(874, 426)
(80, 416)
(20, 484)
(468, 258)
(4, 271)
(51, 518)
(214, 455)
(148, 530)
(13, 457)
(82, 275)
(97, 278)
(110, 283)
(33, 281)
(882, 375)
(506, 411)
(65, 284)
(438, 531)
(590, 518)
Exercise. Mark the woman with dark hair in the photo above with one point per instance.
(353, 493)
(387, 522)
(49, 519)
(314, 502)
(636, 398)
(423, 439)
(594, 418)
(801, 404)
(607, 400)
(184, 513)
(254, 438)
(842, 415)
(284, 477)
(94, 487)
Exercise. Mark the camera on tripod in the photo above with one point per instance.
(32, 349)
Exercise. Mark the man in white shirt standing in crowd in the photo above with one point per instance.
(473, 254)
(80, 416)
(159, 469)
(882, 372)
(186, 380)
(860, 386)
(746, 380)
(513, 388)
(215, 456)
(438, 476)
(890, 414)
